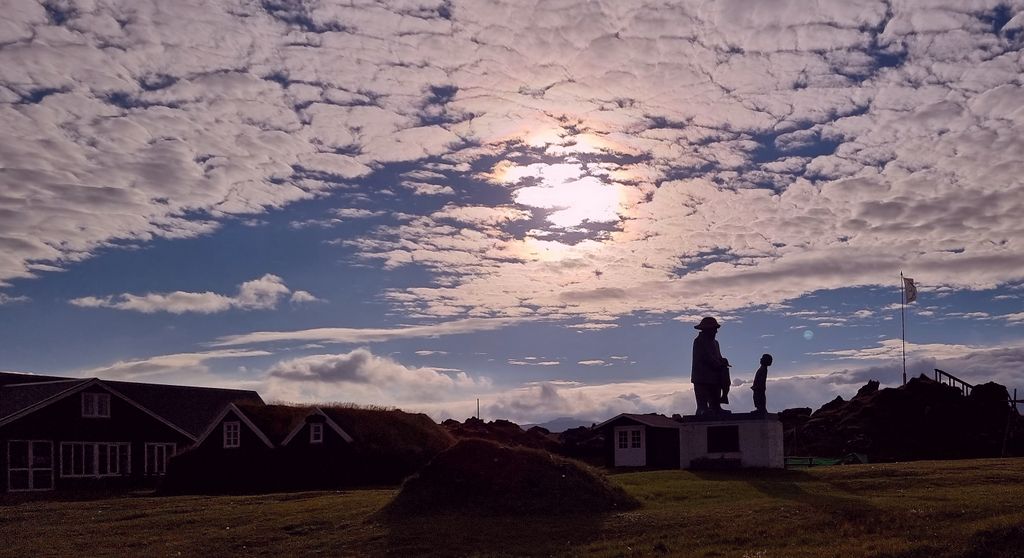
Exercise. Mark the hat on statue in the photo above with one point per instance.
(707, 323)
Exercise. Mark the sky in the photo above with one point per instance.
(420, 204)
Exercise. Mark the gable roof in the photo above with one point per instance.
(186, 409)
(231, 407)
(190, 407)
(22, 396)
(7, 378)
(327, 420)
(70, 389)
(276, 421)
(653, 420)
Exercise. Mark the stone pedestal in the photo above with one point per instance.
(737, 440)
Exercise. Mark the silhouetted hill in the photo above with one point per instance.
(503, 432)
(923, 419)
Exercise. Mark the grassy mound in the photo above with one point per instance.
(388, 444)
(484, 477)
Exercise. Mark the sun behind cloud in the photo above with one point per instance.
(574, 200)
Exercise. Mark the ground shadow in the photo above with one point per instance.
(789, 485)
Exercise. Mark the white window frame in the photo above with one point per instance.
(30, 469)
(112, 449)
(95, 405)
(160, 465)
(623, 439)
(636, 439)
(232, 434)
(316, 432)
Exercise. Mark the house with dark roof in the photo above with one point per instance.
(253, 448)
(691, 442)
(634, 440)
(72, 433)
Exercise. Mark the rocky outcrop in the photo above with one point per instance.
(921, 420)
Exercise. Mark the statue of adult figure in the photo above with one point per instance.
(710, 372)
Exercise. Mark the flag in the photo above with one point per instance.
(909, 290)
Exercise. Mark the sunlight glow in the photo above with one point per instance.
(575, 201)
(564, 187)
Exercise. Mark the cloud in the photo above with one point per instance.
(355, 213)
(301, 297)
(596, 403)
(533, 361)
(259, 294)
(594, 362)
(672, 158)
(1015, 318)
(174, 368)
(593, 326)
(368, 335)
(367, 377)
(7, 299)
(480, 215)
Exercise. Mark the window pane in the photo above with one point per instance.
(102, 405)
(19, 454)
(89, 459)
(66, 457)
(42, 454)
(42, 479)
(103, 459)
(623, 439)
(636, 438)
(231, 434)
(125, 460)
(19, 480)
(79, 460)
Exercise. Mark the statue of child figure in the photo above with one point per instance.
(760, 379)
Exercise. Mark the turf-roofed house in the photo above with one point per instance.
(82, 433)
(252, 447)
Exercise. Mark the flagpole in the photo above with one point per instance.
(903, 323)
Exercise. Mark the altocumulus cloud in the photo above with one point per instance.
(734, 156)
(259, 294)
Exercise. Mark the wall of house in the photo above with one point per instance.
(62, 421)
(209, 467)
(759, 441)
(630, 457)
(328, 464)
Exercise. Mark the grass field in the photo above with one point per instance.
(924, 509)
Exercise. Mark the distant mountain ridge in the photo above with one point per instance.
(561, 424)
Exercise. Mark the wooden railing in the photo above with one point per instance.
(950, 380)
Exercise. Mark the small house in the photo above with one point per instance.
(648, 440)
